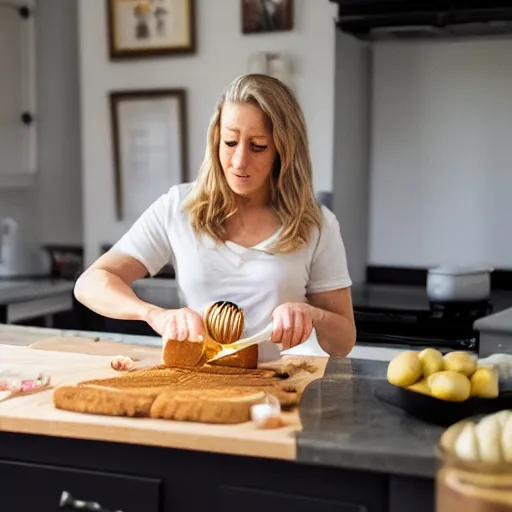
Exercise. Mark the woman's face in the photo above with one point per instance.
(246, 151)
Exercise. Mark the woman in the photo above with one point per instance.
(248, 230)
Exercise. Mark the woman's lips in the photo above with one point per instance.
(242, 176)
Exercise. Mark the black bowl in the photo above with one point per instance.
(440, 412)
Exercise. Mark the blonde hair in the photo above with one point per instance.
(212, 202)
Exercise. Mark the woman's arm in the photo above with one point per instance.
(105, 288)
(333, 320)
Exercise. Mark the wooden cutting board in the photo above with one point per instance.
(99, 347)
(35, 413)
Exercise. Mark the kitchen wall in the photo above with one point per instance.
(222, 55)
(51, 210)
(441, 153)
(59, 182)
(353, 81)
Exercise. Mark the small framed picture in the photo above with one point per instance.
(266, 15)
(150, 150)
(150, 28)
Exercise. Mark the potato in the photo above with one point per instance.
(485, 382)
(431, 361)
(420, 387)
(449, 386)
(405, 369)
(460, 362)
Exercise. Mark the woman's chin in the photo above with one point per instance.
(246, 188)
(242, 189)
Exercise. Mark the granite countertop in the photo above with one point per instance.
(20, 290)
(346, 425)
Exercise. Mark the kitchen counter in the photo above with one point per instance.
(346, 425)
(346, 443)
(22, 299)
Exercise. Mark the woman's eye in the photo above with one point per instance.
(256, 147)
(230, 143)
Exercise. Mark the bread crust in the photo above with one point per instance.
(221, 405)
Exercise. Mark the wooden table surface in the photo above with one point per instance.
(61, 360)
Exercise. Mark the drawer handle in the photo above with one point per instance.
(67, 502)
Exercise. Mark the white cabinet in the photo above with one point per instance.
(18, 118)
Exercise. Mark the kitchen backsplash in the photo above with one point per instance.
(440, 177)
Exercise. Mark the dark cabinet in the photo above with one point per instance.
(37, 487)
(37, 473)
(235, 499)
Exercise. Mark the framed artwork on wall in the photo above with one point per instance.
(266, 16)
(150, 150)
(150, 28)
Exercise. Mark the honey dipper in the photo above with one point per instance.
(224, 322)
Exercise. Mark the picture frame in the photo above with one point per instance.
(149, 146)
(150, 28)
(260, 16)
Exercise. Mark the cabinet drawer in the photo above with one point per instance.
(35, 487)
(235, 499)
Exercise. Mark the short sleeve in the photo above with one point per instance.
(329, 269)
(148, 239)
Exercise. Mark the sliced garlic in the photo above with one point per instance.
(488, 433)
(466, 445)
(450, 436)
(506, 439)
(502, 417)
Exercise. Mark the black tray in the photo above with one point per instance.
(439, 412)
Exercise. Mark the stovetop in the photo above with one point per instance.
(402, 316)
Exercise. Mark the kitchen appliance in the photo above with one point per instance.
(410, 19)
(403, 316)
(452, 284)
(19, 258)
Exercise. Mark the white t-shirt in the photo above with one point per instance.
(253, 278)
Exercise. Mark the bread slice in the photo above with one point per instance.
(221, 405)
(106, 401)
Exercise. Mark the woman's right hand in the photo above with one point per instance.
(183, 324)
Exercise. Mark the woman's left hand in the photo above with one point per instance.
(293, 324)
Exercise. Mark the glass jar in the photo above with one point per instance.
(471, 485)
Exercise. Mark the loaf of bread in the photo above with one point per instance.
(246, 358)
(190, 354)
(212, 394)
(183, 353)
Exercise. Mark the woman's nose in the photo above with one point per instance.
(239, 159)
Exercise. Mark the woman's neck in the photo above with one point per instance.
(257, 201)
